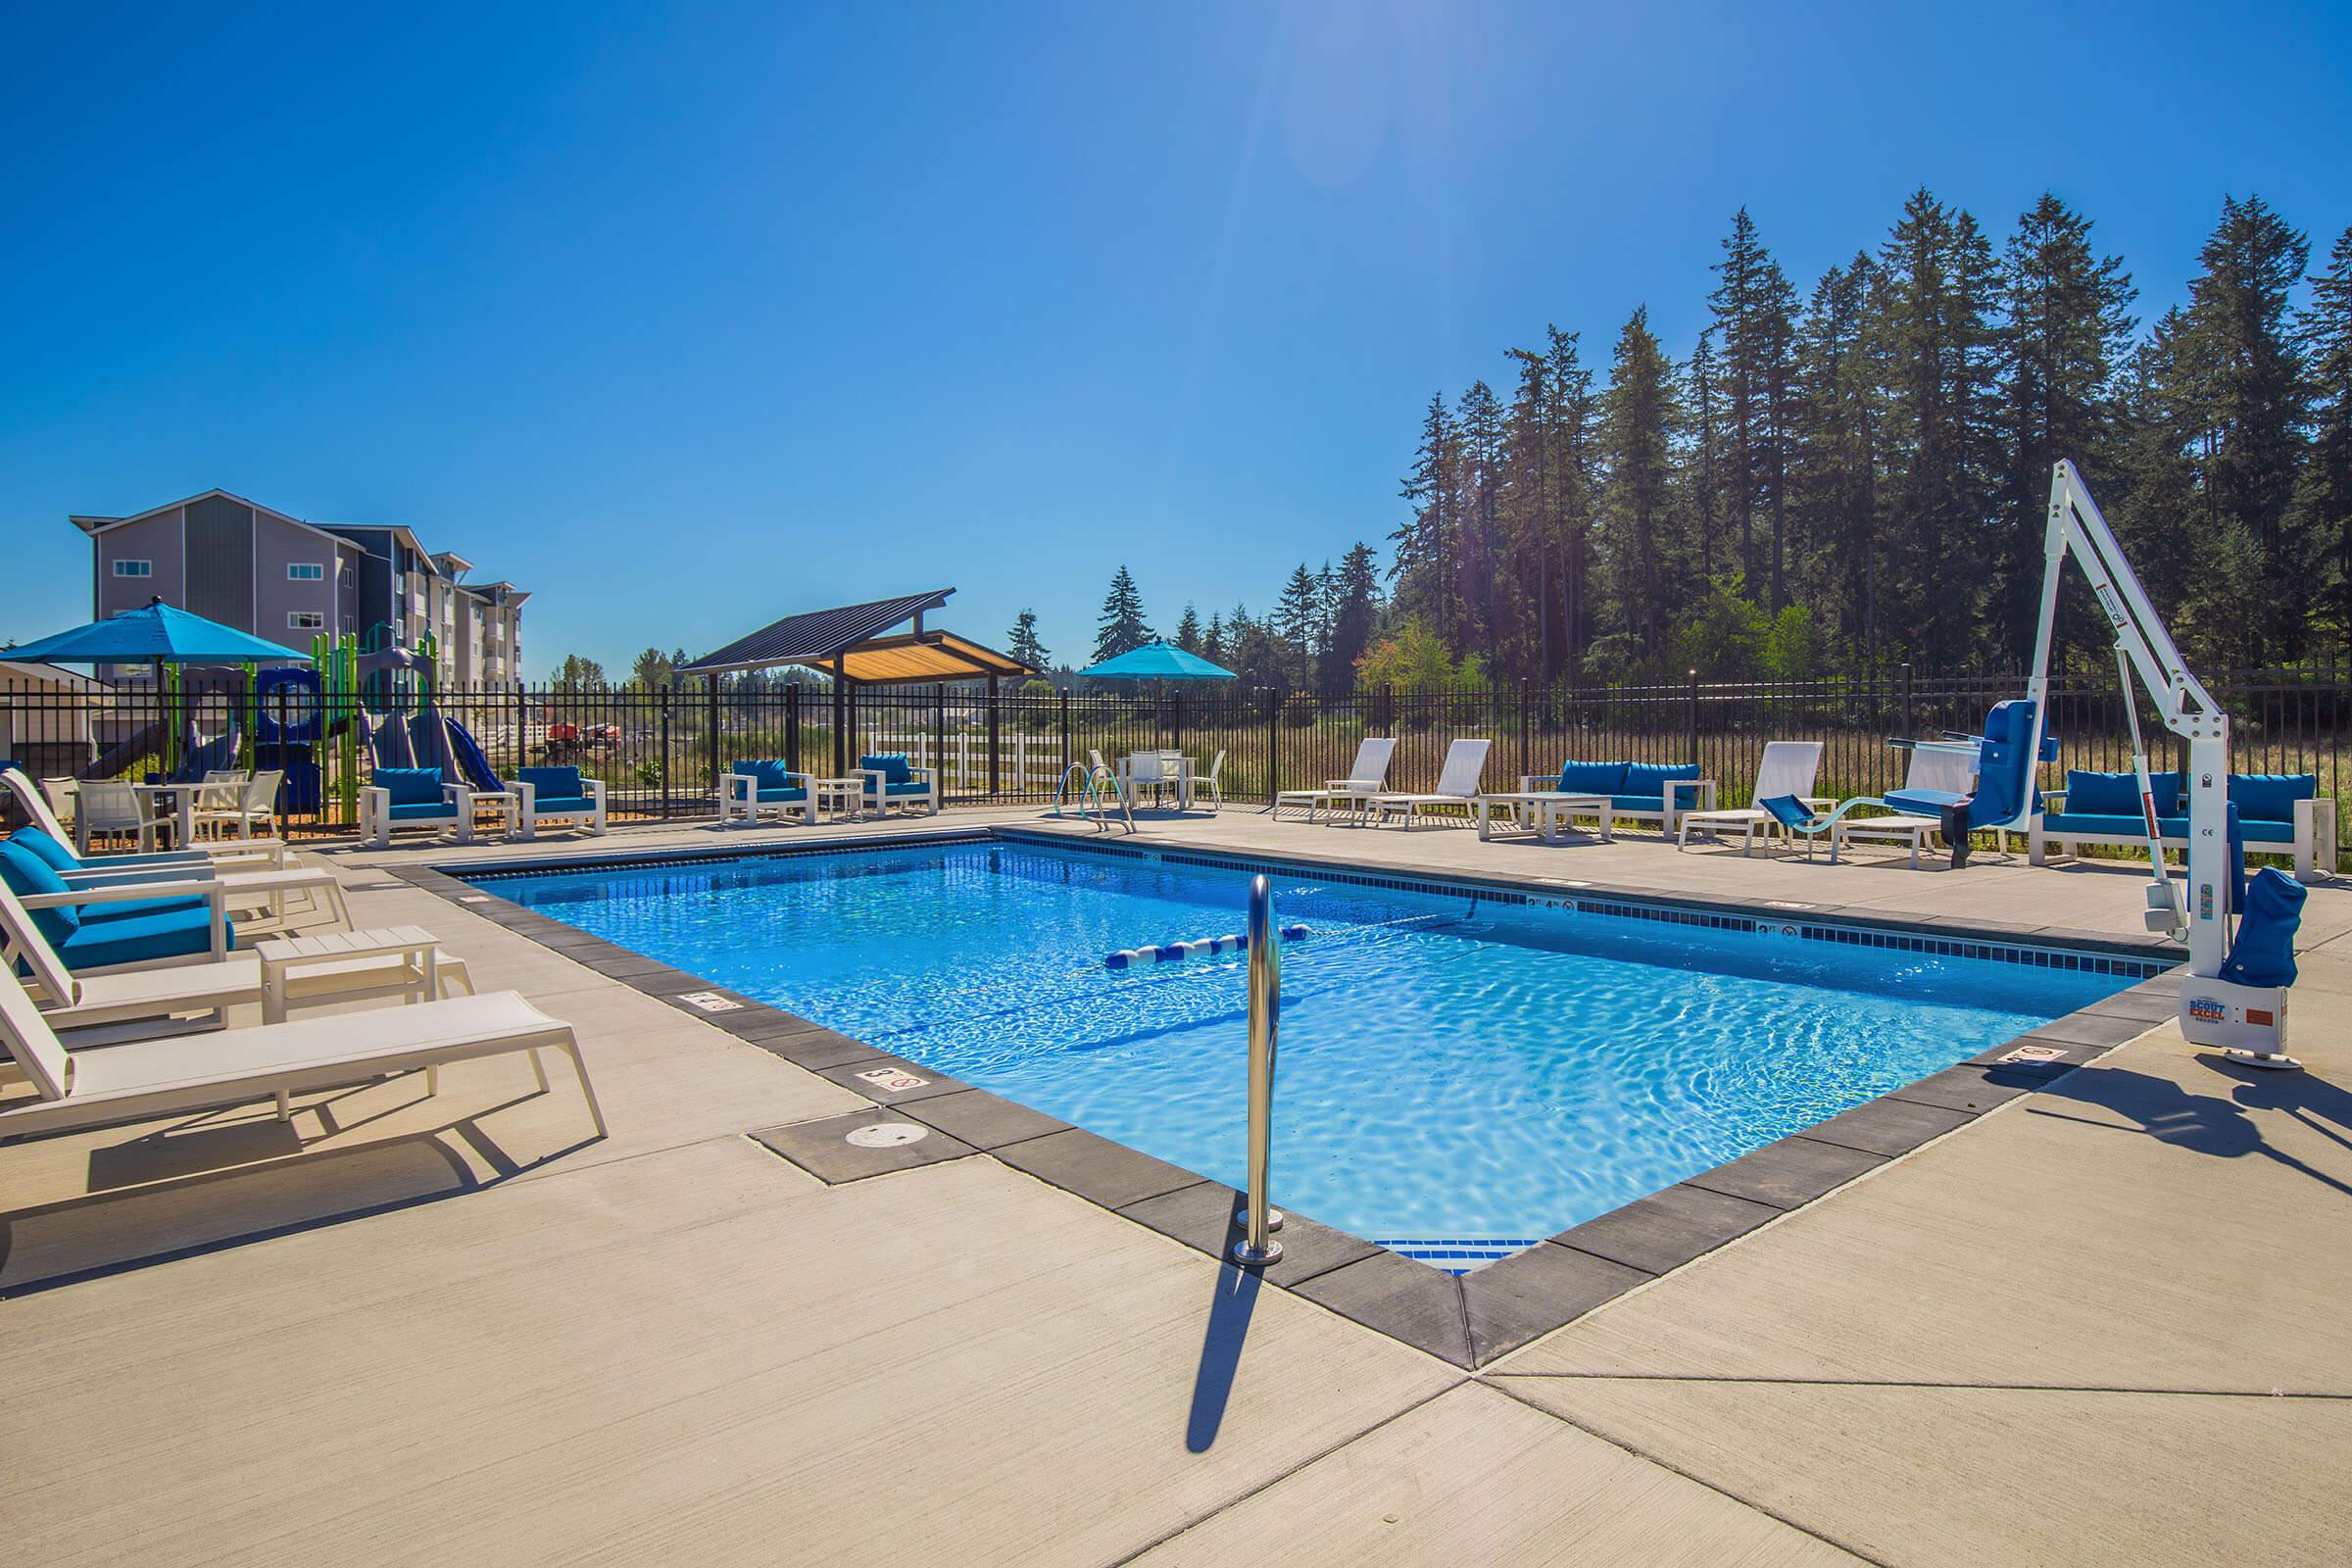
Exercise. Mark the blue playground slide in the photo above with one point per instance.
(472, 769)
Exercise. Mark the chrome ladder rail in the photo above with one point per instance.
(1089, 800)
(1257, 1247)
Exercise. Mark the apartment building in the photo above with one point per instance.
(245, 565)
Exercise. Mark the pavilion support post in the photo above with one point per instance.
(792, 728)
(841, 719)
(996, 740)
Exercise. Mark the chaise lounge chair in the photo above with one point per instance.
(1457, 784)
(71, 1001)
(249, 853)
(251, 887)
(1786, 768)
(1366, 776)
(234, 1066)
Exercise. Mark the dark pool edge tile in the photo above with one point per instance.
(1489, 1317)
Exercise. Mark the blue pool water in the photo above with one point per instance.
(1452, 1067)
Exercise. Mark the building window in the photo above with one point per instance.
(306, 620)
(134, 569)
(304, 571)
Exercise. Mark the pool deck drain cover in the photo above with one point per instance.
(887, 1135)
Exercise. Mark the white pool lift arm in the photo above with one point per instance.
(2144, 646)
(2249, 1022)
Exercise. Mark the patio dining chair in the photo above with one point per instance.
(112, 807)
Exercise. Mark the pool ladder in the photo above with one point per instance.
(1257, 1247)
(1094, 784)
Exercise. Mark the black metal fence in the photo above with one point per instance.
(658, 749)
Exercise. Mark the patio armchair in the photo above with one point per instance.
(412, 797)
(762, 787)
(557, 795)
(892, 779)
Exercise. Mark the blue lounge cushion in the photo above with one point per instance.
(789, 792)
(28, 875)
(2090, 794)
(552, 783)
(56, 856)
(893, 766)
(563, 806)
(411, 786)
(168, 934)
(768, 773)
(1648, 780)
(441, 810)
(908, 788)
(1592, 778)
(2270, 797)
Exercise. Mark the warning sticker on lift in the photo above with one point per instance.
(892, 1079)
(710, 1000)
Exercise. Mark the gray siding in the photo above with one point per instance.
(220, 563)
(152, 539)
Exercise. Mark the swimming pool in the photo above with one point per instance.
(1458, 1066)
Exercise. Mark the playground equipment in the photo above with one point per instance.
(2234, 998)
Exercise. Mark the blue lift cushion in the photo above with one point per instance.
(2264, 954)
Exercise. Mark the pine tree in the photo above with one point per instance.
(1637, 421)
(1120, 628)
(1353, 616)
(1021, 642)
(2067, 333)
(1296, 622)
(1212, 641)
(1481, 476)
(2252, 392)
(1754, 314)
(1833, 456)
(1187, 629)
(1572, 415)
(1424, 564)
(1937, 331)
(2324, 501)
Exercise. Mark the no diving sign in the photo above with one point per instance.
(892, 1079)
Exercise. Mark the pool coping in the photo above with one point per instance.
(1468, 1320)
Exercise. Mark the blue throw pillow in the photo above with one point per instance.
(2270, 797)
(1591, 778)
(411, 786)
(552, 783)
(2101, 794)
(1650, 779)
(56, 856)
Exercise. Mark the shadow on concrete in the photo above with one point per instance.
(2219, 1125)
(1221, 1342)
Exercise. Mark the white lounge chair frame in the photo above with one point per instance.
(740, 806)
(1366, 776)
(272, 1061)
(878, 802)
(1457, 785)
(376, 825)
(528, 816)
(272, 853)
(1787, 767)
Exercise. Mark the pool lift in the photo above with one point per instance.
(2234, 996)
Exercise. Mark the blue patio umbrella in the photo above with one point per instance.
(156, 634)
(1158, 661)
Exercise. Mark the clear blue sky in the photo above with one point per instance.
(686, 317)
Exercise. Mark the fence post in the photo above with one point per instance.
(792, 728)
(1910, 727)
(521, 724)
(669, 690)
(1273, 742)
(1691, 719)
(996, 740)
(711, 712)
(1526, 705)
(1065, 729)
(939, 735)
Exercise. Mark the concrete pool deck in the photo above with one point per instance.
(2103, 1322)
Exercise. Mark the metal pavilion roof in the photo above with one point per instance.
(851, 638)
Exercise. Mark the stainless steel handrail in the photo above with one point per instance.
(1257, 1247)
